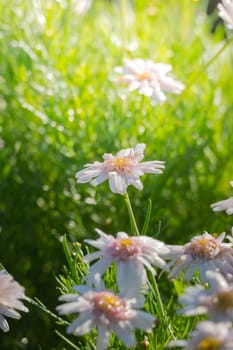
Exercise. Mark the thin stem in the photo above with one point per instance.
(199, 74)
(41, 306)
(161, 311)
(67, 340)
(131, 215)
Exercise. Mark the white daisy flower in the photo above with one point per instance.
(216, 302)
(226, 204)
(149, 78)
(10, 293)
(132, 255)
(108, 312)
(121, 170)
(81, 7)
(203, 253)
(208, 335)
(225, 11)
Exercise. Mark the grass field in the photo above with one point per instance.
(61, 109)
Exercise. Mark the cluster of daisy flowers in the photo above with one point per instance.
(134, 256)
(98, 307)
(213, 297)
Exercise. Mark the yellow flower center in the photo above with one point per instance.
(122, 165)
(202, 247)
(209, 344)
(110, 305)
(123, 249)
(126, 242)
(144, 76)
(109, 302)
(120, 162)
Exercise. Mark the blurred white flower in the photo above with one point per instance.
(82, 6)
(226, 204)
(216, 301)
(149, 78)
(121, 170)
(225, 11)
(10, 292)
(203, 253)
(208, 336)
(132, 255)
(108, 312)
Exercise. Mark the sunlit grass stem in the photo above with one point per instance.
(198, 75)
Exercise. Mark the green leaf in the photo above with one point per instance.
(147, 218)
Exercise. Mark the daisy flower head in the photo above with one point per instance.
(225, 11)
(216, 302)
(149, 78)
(132, 255)
(208, 336)
(107, 312)
(203, 253)
(10, 293)
(226, 204)
(121, 170)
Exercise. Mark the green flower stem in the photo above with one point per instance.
(41, 306)
(133, 222)
(67, 340)
(160, 308)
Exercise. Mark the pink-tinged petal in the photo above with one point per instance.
(226, 204)
(92, 256)
(125, 335)
(146, 90)
(87, 175)
(99, 179)
(144, 321)
(192, 311)
(159, 96)
(152, 167)
(137, 184)
(177, 343)
(190, 272)
(99, 267)
(163, 68)
(171, 85)
(216, 280)
(225, 11)
(103, 337)
(134, 85)
(10, 293)
(147, 264)
(129, 276)
(9, 312)
(179, 266)
(122, 235)
(117, 183)
(139, 151)
(73, 307)
(82, 325)
(3, 324)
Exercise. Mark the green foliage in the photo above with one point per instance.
(59, 110)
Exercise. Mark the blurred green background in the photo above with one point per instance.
(59, 110)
